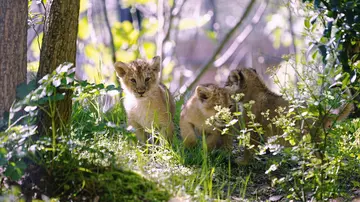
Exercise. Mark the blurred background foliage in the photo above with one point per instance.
(185, 33)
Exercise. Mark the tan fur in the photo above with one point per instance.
(197, 110)
(247, 81)
(147, 101)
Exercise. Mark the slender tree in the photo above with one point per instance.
(58, 47)
(13, 33)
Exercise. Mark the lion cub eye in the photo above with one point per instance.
(133, 80)
(147, 79)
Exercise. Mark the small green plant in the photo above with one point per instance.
(310, 166)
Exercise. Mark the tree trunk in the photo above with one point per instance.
(58, 47)
(13, 34)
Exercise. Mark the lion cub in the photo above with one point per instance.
(146, 101)
(248, 82)
(198, 109)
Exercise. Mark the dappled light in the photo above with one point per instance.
(179, 100)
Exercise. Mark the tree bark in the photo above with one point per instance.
(13, 34)
(58, 47)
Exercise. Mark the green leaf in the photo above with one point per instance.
(20, 164)
(307, 23)
(3, 161)
(56, 82)
(13, 172)
(23, 89)
(58, 97)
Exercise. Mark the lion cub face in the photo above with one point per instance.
(139, 77)
(209, 96)
(238, 80)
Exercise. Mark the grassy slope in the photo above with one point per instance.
(185, 173)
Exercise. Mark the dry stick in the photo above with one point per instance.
(242, 36)
(203, 69)
(108, 27)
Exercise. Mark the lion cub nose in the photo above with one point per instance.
(141, 92)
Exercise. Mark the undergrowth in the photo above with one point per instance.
(96, 158)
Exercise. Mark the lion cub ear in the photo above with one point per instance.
(121, 68)
(236, 77)
(155, 63)
(203, 93)
(234, 80)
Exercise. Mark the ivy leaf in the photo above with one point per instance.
(23, 89)
(15, 170)
(56, 82)
(58, 97)
(30, 108)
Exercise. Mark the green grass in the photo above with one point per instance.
(97, 158)
(188, 173)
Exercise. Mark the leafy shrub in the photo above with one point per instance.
(314, 162)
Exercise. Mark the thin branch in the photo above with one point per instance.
(177, 29)
(136, 25)
(293, 37)
(108, 27)
(190, 84)
(214, 16)
(136, 21)
(161, 20)
(163, 36)
(160, 32)
(45, 11)
(242, 36)
(90, 15)
(175, 11)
